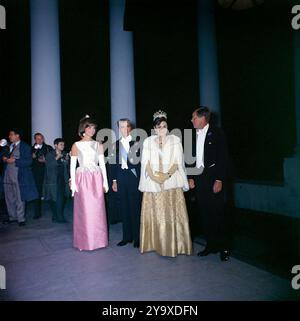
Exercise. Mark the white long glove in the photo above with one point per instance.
(103, 170)
(73, 174)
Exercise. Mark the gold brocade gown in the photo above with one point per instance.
(164, 223)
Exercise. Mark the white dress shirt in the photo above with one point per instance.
(125, 142)
(201, 135)
(11, 147)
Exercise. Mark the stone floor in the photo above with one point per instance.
(41, 264)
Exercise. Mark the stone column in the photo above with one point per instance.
(208, 60)
(45, 69)
(121, 66)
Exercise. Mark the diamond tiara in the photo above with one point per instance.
(159, 114)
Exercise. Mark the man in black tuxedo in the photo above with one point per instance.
(210, 171)
(39, 151)
(125, 177)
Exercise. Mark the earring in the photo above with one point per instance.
(83, 134)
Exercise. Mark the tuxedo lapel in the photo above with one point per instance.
(209, 136)
(194, 143)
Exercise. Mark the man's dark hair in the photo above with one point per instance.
(157, 121)
(128, 122)
(58, 140)
(17, 131)
(203, 111)
(37, 134)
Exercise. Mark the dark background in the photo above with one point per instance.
(255, 51)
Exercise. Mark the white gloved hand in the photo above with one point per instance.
(103, 171)
(73, 186)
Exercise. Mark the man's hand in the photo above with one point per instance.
(33, 156)
(4, 159)
(115, 186)
(217, 188)
(10, 160)
(58, 155)
(191, 183)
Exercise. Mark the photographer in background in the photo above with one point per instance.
(39, 152)
(56, 183)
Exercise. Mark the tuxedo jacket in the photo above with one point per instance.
(215, 154)
(116, 162)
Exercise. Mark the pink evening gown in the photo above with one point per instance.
(90, 221)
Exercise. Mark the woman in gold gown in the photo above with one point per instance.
(164, 219)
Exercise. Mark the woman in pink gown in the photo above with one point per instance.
(88, 185)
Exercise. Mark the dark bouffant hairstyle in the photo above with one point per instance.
(84, 123)
(157, 121)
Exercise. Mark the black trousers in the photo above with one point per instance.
(211, 216)
(58, 206)
(130, 205)
(38, 174)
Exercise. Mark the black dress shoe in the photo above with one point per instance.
(61, 221)
(22, 224)
(206, 252)
(136, 244)
(122, 243)
(13, 221)
(224, 255)
(35, 217)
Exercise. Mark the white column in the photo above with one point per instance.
(45, 69)
(121, 66)
(208, 60)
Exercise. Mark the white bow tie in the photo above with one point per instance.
(36, 146)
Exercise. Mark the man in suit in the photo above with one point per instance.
(125, 176)
(19, 185)
(211, 164)
(39, 152)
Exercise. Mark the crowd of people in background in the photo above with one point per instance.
(33, 174)
(150, 192)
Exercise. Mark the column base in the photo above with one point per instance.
(291, 167)
(297, 152)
